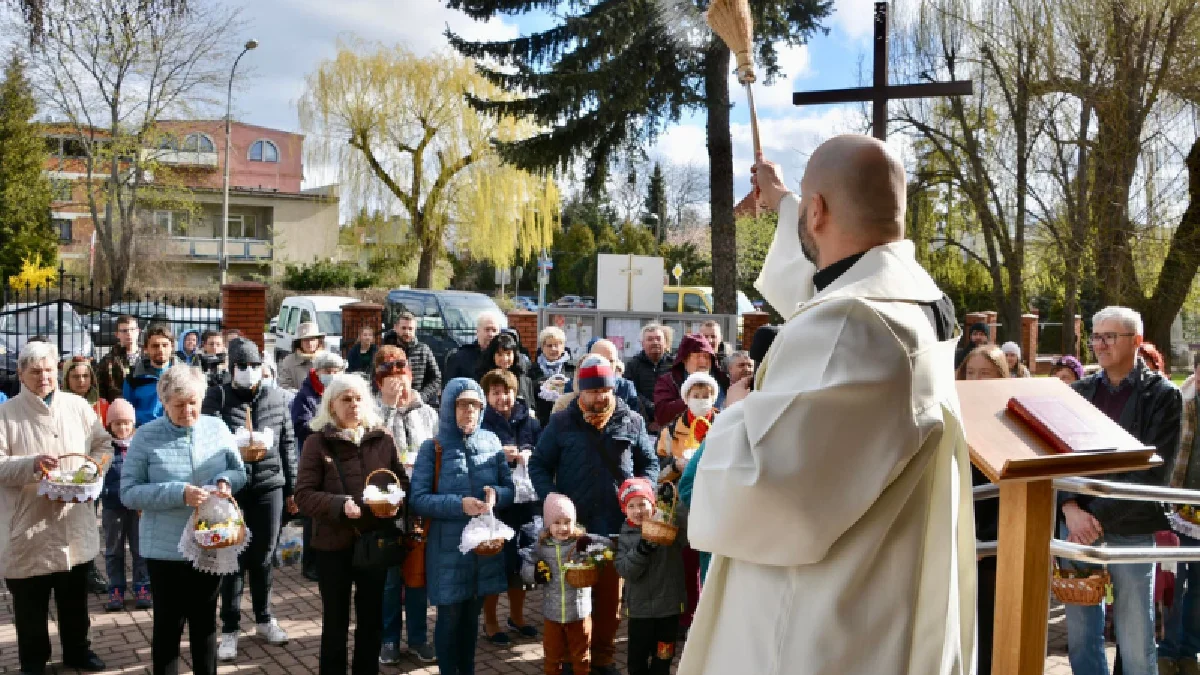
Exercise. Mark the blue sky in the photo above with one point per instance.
(295, 35)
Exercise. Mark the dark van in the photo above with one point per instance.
(445, 319)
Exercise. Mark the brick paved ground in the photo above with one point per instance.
(122, 639)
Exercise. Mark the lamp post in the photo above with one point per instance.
(224, 260)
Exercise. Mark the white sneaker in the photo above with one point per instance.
(272, 633)
(227, 647)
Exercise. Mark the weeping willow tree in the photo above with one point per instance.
(404, 139)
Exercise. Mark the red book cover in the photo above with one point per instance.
(1057, 424)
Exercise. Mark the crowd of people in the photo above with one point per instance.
(163, 416)
(602, 442)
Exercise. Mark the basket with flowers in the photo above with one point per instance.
(211, 533)
(80, 484)
(661, 529)
(583, 569)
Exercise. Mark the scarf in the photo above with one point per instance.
(600, 419)
(354, 435)
(315, 381)
(552, 367)
(699, 425)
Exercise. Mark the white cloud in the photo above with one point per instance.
(795, 65)
(855, 18)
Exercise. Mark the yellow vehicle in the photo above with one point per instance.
(698, 300)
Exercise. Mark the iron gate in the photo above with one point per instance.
(81, 319)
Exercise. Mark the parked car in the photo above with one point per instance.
(526, 303)
(21, 321)
(324, 310)
(569, 301)
(698, 300)
(445, 319)
(104, 321)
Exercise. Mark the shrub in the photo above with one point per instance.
(323, 275)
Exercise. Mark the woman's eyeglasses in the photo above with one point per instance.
(392, 367)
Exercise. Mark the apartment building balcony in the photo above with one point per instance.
(181, 158)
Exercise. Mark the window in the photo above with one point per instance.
(330, 323)
(693, 303)
(306, 316)
(264, 151)
(63, 227)
(293, 320)
(245, 226)
(198, 142)
(61, 190)
(172, 223)
(670, 302)
(168, 143)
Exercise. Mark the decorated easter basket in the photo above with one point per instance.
(382, 508)
(582, 574)
(1089, 590)
(253, 448)
(211, 536)
(661, 529)
(82, 484)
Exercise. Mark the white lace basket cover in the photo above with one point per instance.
(1184, 526)
(212, 561)
(58, 485)
(482, 529)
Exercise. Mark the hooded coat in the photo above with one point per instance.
(304, 407)
(668, 399)
(183, 356)
(469, 463)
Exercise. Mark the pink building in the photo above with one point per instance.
(264, 159)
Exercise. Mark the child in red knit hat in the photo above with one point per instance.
(655, 593)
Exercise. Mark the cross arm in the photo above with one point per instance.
(889, 93)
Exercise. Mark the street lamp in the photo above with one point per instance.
(224, 260)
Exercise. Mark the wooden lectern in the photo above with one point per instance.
(1024, 466)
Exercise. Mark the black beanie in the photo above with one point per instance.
(978, 328)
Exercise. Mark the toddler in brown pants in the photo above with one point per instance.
(567, 635)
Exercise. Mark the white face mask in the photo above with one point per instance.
(325, 379)
(699, 406)
(247, 378)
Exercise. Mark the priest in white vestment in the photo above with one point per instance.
(836, 496)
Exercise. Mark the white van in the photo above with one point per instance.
(324, 310)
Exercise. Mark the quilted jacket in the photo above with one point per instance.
(568, 459)
(39, 536)
(162, 460)
(268, 410)
(654, 581)
(426, 376)
(469, 463)
(141, 390)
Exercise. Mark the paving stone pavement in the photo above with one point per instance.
(122, 639)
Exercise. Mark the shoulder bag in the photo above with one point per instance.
(414, 564)
(376, 549)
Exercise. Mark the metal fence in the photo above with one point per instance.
(81, 319)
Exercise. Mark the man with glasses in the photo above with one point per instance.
(269, 484)
(426, 376)
(114, 367)
(1147, 405)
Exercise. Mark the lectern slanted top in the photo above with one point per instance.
(1004, 448)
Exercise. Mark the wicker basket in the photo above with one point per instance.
(382, 508)
(76, 492)
(1088, 590)
(660, 532)
(256, 450)
(582, 577)
(211, 542)
(489, 548)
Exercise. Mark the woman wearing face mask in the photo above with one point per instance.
(985, 363)
(269, 486)
(473, 478)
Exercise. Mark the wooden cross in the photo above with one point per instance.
(630, 272)
(881, 92)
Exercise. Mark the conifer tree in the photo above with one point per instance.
(25, 231)
(611, 74)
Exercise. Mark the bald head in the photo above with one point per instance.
(606, 349)
(862, 184)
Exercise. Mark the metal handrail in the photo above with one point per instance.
(1112, 490)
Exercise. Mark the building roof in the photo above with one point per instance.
(745, 208)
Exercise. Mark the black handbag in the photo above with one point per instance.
(377, 549)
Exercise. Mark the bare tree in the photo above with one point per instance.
(687, 192)
(113, 69)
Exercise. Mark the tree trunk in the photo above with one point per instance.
(1179, 268)
(720, 179)
(427, 264)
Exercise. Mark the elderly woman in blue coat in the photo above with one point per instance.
(474, 479)
(174, 464)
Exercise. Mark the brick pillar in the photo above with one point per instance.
(989, 317)
(526, 325)
(355, 316)
(1029, 340)
(751, 322)
(244, 307)
(971, 319)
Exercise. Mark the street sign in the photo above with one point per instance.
(677, 272)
